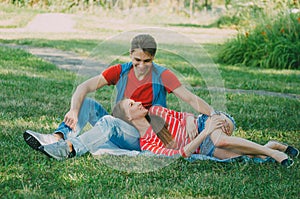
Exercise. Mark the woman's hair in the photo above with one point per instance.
(119, 112)
(158, 125)
(145, 42)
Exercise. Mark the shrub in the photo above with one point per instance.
(273, 43)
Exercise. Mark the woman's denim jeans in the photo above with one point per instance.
(105, 128)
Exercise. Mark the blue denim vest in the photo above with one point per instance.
(159, 92)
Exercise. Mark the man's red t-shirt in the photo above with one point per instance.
(140, 90)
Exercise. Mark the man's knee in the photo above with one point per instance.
(108, 119)
(88, 100)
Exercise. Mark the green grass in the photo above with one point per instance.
(36, 95)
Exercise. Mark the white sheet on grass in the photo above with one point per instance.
(112, 149)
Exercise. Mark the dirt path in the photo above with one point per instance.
(63, 59)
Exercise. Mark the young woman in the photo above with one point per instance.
(163, 131)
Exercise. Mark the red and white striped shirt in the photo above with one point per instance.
(176, 125)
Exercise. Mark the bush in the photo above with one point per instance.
(270, 44)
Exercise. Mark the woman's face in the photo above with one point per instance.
(142, 62)
(228, 124)
(133, 110)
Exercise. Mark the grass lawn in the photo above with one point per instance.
(36, 95)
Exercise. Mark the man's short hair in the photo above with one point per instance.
(145, 42)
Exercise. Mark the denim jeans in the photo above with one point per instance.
(104, 128)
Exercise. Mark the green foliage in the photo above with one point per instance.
(271, 44)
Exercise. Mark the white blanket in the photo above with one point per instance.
(112, 149)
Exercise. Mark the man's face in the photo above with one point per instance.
(142, 63)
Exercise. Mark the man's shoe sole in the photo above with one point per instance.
(41, 149)
(31, 141)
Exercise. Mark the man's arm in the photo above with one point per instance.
(81, 91)
(196, 102)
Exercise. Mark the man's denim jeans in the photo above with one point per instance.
(105, 128)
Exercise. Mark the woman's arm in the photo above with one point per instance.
(212, 124)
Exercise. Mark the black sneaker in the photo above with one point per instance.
(287, 162)
(292, 152)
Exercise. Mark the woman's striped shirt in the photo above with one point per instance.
(176, 122)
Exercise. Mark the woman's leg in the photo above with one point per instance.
(224, 153)
(244, 147)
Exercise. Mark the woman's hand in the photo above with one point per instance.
(214, 123)
(191, 127)
(226, 128)
(71, 119)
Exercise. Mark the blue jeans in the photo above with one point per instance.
(108, 128)
(105, 128)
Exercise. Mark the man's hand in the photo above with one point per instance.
(71, 119)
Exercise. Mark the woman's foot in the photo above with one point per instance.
(279, 156)
(289, 150)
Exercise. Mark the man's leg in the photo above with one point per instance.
(91, 111)
(107, 128)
